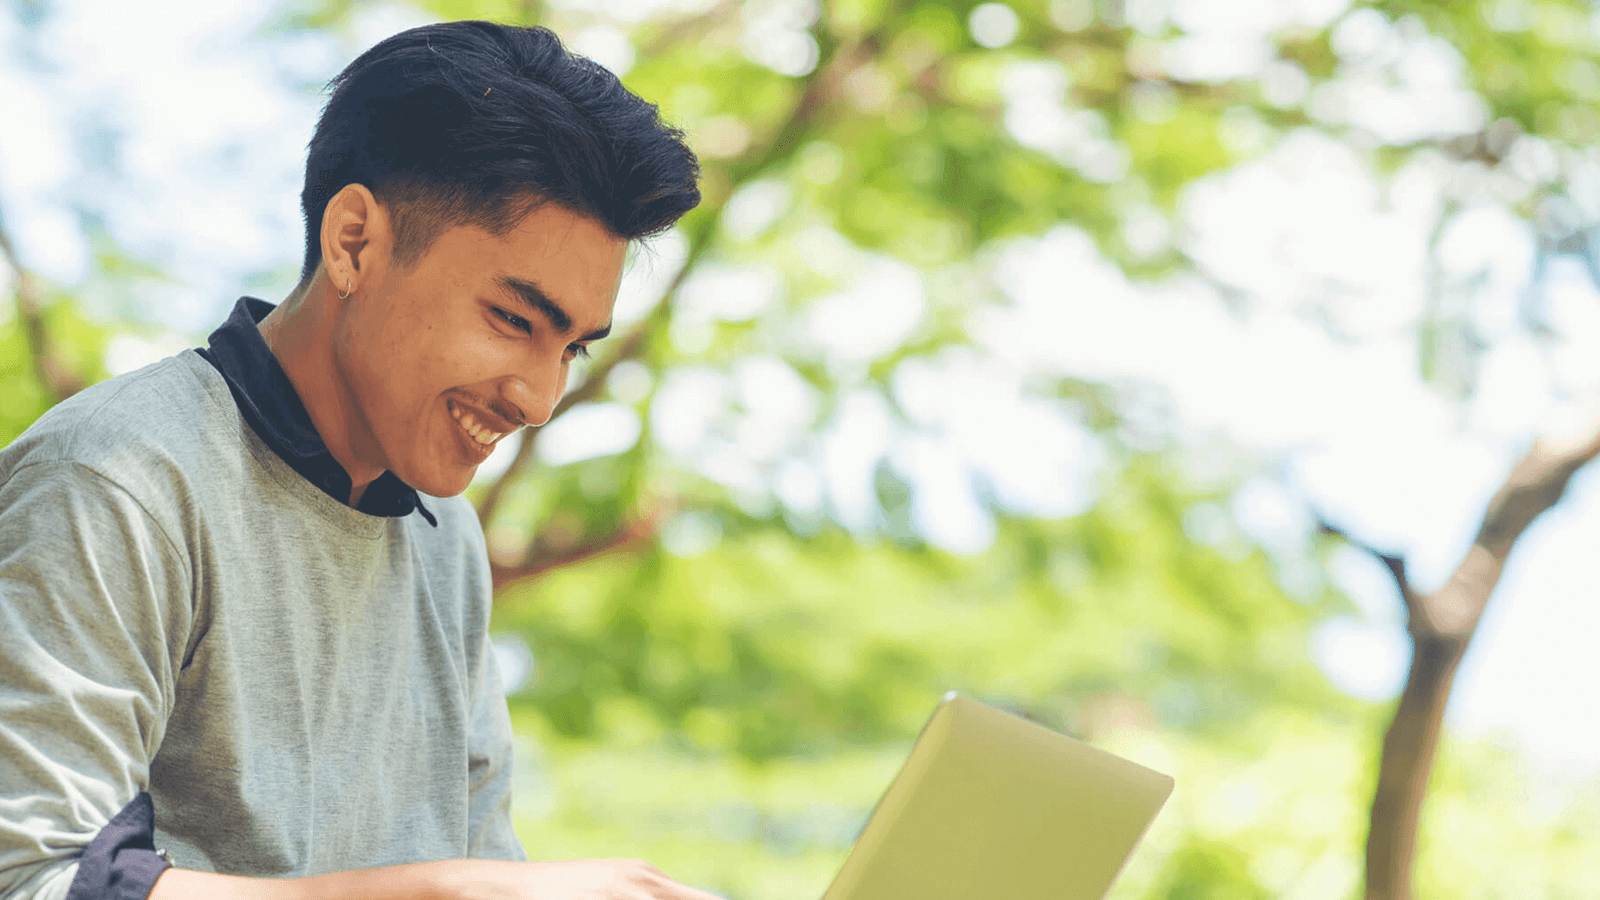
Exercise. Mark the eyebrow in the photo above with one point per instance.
(535, 298)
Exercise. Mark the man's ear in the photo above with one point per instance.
(357, 237)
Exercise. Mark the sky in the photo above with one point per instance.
(209, 155)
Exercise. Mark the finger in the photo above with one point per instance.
(663, 887)
(677, 890)
(637, 867)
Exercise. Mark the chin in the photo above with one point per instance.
(441, 483)
(447, 487)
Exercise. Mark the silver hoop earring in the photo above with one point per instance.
(348, 290)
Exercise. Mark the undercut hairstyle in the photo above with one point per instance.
(476, 123)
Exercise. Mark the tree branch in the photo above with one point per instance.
(53, 373)
(1537, 482)
(541, 560)
(632, 346)
(1395, 564)
(819, 88)
(685, 29)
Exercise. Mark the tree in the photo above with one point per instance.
(692, 581)
(959, 179)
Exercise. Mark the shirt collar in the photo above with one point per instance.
(268, 401)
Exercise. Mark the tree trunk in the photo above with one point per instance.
(1441, 625)
(1408, 749)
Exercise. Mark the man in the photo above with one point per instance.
(231, 625)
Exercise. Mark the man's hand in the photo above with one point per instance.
(451, 879)
(587, 879)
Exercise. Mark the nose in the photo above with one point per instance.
(536, 399)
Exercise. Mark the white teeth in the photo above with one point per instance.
(478, 430)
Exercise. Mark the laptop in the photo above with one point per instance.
(990, 805)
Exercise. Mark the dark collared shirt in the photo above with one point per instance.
(268, 401)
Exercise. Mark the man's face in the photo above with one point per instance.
(442, 359)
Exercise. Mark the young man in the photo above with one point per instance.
(243, 614)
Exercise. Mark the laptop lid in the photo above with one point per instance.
(992, 805)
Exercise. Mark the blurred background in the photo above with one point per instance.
(1114, 361)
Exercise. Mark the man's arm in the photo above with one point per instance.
(453, 879)
(412, 882)
(94, 616)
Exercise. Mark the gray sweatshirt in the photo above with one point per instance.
(300, 687)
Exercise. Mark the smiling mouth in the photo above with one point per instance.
(476, 430)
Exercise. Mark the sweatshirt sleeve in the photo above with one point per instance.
(94, 614)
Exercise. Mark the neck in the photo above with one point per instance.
(300, 334)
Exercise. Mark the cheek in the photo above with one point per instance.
(472, 364)
(449, 356)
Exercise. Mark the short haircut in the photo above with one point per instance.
(476, 123)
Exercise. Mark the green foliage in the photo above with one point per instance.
(774, 679)
(853, 638)
(737, 710)
(22, 397)
(732, 710)
(77, 343)
(1533, 60)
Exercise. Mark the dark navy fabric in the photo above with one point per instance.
(122, 862)
(268, 401)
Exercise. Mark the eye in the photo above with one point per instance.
(578, 351)
(516, 322)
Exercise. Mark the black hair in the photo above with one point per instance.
(480, 123)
